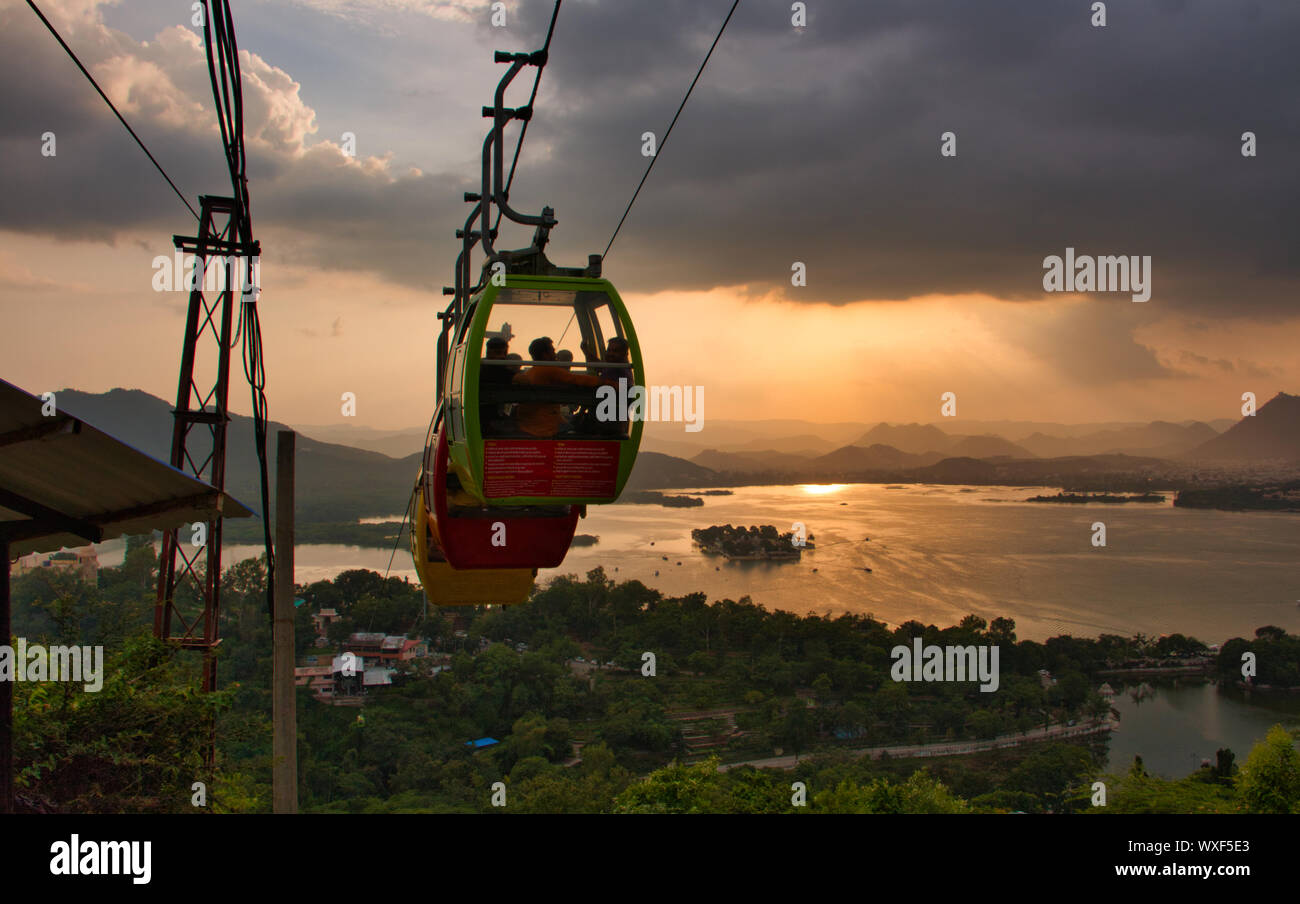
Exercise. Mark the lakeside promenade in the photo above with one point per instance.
(946, 748)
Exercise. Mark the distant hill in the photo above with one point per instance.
(1272, 434)
(1158, 438)
(393, 443)
(340, 483)
(751, 435)
(969, 438)
(748, 462)
(876, 457)
(335, 482)
(655, 471)
(799, 444)
(958, 470)
(913, 438)
(1048, 471)
(1017, 430)
(988, 446)
(652, 443)
(924, 439)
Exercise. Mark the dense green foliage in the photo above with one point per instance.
(1277, 658)
(754, 542)
(562, 684)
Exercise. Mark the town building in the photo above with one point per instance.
(386, 647)
(345, 681)
(81, 561)
(323, 619)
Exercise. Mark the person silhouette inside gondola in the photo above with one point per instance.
(616, 352)
(571, 412)
(545, 419)
(493, 419)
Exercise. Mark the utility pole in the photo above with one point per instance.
(284, 713)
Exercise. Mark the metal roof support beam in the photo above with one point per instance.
(49, 518)
(215, 501)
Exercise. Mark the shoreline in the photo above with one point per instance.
(938, 748)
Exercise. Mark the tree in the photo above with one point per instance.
(921, 793)
(1228, 664)
(700, 662)
(821, 687)
(1224, 758)
(984, 723)
(1270, 778)
(1049, 772)
(135, 746)
(676, 789)
(1072, 689)
(853, 718)
(796, 728)
(1002, 631)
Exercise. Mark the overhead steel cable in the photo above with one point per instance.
(680, 107)
(397, 542)
(222, 53)
(158, 166)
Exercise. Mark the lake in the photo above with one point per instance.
(938, 553)
(1183, 723)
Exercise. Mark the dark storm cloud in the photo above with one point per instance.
(824, 146)
(820, 145)
(341, 215)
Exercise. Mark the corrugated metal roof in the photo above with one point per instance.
(64, 465)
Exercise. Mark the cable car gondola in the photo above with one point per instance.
(545, 432)
(519, 448)
(470, 536)
(448, 586)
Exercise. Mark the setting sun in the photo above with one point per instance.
(822, 489)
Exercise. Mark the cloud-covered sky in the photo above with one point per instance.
(819, 145)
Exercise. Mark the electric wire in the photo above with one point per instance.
(222, 53)
(158, 166)
(397, 542)
(659, 149)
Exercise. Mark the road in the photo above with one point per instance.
(947, 748)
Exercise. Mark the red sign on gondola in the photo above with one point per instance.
(556, 469)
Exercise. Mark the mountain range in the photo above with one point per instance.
(340, 482)
(1271, 434)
